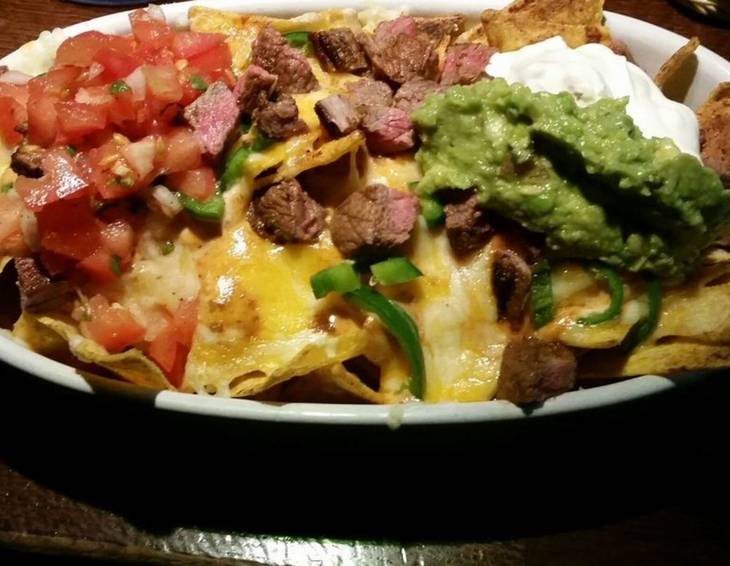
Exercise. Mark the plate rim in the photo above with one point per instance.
(393, 416)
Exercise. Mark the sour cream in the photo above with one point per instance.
(593, 71)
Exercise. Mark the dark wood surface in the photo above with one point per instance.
(93, 480)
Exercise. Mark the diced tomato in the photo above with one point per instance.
(69, 228)
(162, 82)
(163, 349)
(117, 64)
(94, 139)
(61, 180)
(58, 82)
(77, 119)
(12, 114)
(122, 109)
(118, 238)
(150, 32)
(177, 374)
(141, 155)
(112, 326)
(42, 120)
(55, 263)
(186, 321)
(17, 92)
(108, 172)
(99, 266)
(171, 346)
(186, 44)
(193, 82)
(197, 183)
(182, 151)
(82, 49)
(153, 118)
(10, 209)
(44, 92)
(12, 242)
(214, 62)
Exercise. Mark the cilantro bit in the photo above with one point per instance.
(115, 264)
(118, 87)
(167, 247)
(198, 83)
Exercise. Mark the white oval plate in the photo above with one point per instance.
(650, 45)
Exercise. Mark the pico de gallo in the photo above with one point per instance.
(101, 138)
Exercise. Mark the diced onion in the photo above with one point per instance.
(14, 78)
(85, 97)
(155, 12)
(29, 229)
(141, 155)
(168, 202)
(138, 83)
(95, 69)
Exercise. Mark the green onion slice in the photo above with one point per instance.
(432, 212)
(395, 270)
(210, 210)
(543, 308)
(298, 39)
(400, 324)
(642, 328)
(341, 278)
(615, 287)
(115, 264)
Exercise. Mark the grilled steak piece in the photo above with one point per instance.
(465, 63)
(533, 370)
(339, 51)
(511, 282)
(38, 291)
(400, 52)
(367, 94)
(388, 130)
(439, 27)
(337, 114)
(372, 220)
(272, 52)
(279, 119)
(410, 96)
(254, 88)
(26, 160)
(285, 213)
(467, 225)
(213, 115)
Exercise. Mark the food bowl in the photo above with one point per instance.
(650, 46)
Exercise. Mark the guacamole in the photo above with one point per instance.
(584, 177)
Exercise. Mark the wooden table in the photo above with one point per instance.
(646, 483)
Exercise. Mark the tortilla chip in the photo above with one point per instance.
(529, 21)
(327, 153)
(4, 261)
(338, 375)
(131, 365)
(699, 310)
(332, 384)
(39, 337)
(667, 358)
(259, 323)
(714, 120)
(677, 73)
